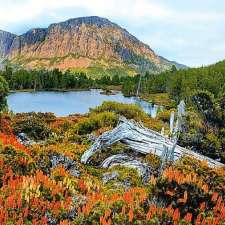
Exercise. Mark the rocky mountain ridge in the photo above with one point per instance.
(81, 43)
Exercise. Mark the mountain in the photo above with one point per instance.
(92, 44)
(6, 40)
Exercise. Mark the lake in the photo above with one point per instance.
(71, 102)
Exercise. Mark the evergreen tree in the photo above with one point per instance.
(3, 93)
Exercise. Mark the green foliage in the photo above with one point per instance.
(96, 121)
(205, 125)
(180, 84)
(165, 115)
(127, 110)
(130, 111)
(203, 91)
(203, 101)
(55, 79)
(34, 125)
(38, 181)
(129, 175)
(3, 93)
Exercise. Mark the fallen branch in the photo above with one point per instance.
(141, 140)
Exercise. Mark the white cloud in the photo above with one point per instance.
(16, 11)
(179, 30)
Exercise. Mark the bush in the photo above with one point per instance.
(34, 124)
(130, 111)
(165, 115)
(96, 121)
(203, 101)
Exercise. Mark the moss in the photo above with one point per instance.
(96, 172)
(128, 174)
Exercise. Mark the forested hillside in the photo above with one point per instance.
(55, 79)
(180, 84)
(203, 90)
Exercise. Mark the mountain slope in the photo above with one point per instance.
(6, 40)
(88, 43)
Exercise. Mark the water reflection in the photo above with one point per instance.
(65, 103)
(151, 109)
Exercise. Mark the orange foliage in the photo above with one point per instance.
(184, 199)
(180, 178)
(188, 217)
(131, 215)
(64, 222)
(22, 198)
(8, 140)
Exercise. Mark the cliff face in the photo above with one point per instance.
(6, 40)
(88, 40)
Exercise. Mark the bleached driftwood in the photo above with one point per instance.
(145, 141)
(142, 140)
(143, 169)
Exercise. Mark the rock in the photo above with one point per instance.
(72, 214)
(107, 92)
(6, 40)
(109, 176)
(70, 165)
(51, 220)
(91, 137)
(124, 184)
(24, 139)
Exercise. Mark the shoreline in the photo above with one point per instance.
(159, 98)
(102, 88)
(51, 90)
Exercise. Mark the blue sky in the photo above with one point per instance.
(191, 32)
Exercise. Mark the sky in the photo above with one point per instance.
(191, 32)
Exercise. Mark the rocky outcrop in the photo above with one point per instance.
(90, 38)
(6, 40)
(70, 165)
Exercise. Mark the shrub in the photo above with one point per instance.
(130, 111)
(165, 115)
(96, 121)
(203, 101)
(33, 124)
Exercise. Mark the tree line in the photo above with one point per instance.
(181, 84)
(54, 79)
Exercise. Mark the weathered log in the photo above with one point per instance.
(143, 169)
(141, 140)
(145, 141)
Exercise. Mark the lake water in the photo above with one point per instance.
(72, 102)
